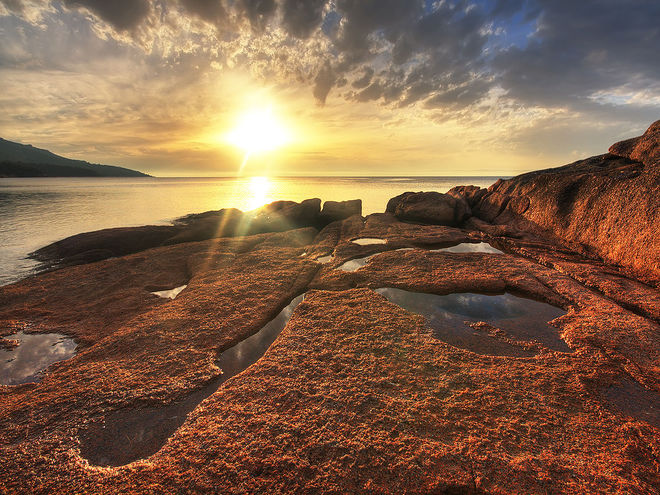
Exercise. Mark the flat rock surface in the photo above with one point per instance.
(356, 395)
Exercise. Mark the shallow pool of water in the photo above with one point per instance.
(522, 319)
(635, 400)
(469, 247)
(325, 259)
(171, 293)
(367, 241)
(355, 264)
(35, 353)
(127, 435)
(466, 247)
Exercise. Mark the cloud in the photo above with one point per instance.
(15, 6)
(209, 10)
(301, 17)
(509, 64)
(581, 48)
(258, 12)
(364, 81)
(323, 82)
(124, 15)
(452, 53)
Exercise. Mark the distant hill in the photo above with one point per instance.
(24, 160)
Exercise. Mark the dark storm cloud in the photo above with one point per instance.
(364, 17)
(507, 7)
(584, 47)
(122, 14)
(364, 81)
(451, 53)
(301, 17)
(208, 10)
(13, 5)
(258, 12)
(323, 82)
(459, 96)
(430, 49)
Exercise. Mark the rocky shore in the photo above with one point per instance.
(357, 394)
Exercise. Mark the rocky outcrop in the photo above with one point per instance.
(284, 215)
(356, 395)
(643, 149)
(106, 243)
(278, 216)
(471, 194)
(429, 207)
(607, 205)
(339, 210)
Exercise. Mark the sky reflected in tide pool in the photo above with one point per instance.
(35, 353)
(469, 247)
(171, 293)
(522, 319)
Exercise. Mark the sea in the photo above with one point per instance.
(37, 211)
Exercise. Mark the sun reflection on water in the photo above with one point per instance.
(259, 192)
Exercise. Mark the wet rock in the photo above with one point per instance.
(200, 227)
(100, 244)
(229, 222)
(356, 395)
(340, 210)
(429, 207)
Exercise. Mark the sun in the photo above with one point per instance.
(258, 131)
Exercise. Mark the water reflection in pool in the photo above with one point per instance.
(522, 319)
(367, 241)
(35, 352)
(466, 247)
(469, 247)
(131, 434)
(635, 400)
(355, 264)
(171, 293)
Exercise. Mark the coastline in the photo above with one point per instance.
(357, 393)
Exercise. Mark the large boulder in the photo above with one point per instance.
(202, 226)
(286, 215)
(229, 222)
(106, 243)
(471, 194)
(340, 210)
(429, 207)
(606, 205)
(491, 205)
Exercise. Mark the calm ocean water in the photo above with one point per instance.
(35, 212)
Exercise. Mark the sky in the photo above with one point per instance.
(354, 87)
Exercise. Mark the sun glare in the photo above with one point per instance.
(258, 131)
(258, 192)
